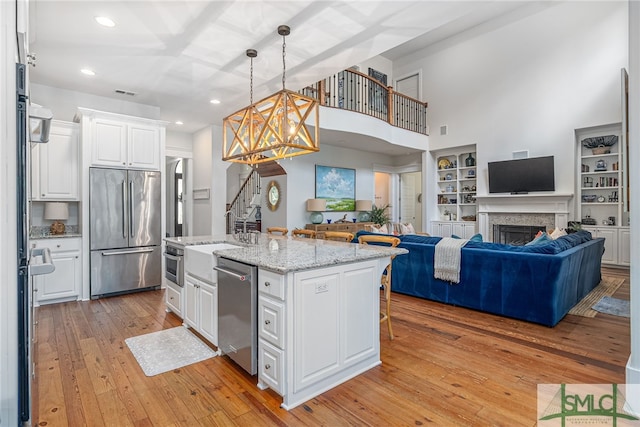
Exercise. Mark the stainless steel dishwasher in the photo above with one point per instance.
(237, 312)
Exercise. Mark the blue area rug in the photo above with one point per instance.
(615, 306)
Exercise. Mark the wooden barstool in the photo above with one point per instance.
(339, 236)
(272, 230)
(385, 280)
(311, 234)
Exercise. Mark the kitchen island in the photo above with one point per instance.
(318, 310)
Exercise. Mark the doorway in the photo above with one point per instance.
(177, 219)
(406, 189)
(411, 199)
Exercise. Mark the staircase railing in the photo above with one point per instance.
(355, 91)
(242, 202)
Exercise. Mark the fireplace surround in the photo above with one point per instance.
(545, 210)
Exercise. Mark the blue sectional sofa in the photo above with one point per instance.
(538, 283)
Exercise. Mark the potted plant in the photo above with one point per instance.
(600, 144)
(378, 215)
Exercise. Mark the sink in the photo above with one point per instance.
(199, 260)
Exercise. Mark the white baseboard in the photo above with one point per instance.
(632, 392)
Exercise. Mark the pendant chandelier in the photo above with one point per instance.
(282, 125)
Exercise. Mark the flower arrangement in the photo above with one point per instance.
(600, 144)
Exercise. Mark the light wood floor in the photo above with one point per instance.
(447, 366)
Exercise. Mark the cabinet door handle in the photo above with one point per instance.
(267, 322)
(267, 284)
(267, 366)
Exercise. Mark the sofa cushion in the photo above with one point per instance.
(417, 238)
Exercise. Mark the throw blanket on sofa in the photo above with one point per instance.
(446, 259)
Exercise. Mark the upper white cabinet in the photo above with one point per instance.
(55, 165)
(120, 141)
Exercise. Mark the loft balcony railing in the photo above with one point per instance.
(355, 91)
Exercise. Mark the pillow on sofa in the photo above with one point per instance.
(407, 228)
(541, 238)
(557, 233)
(475, 238)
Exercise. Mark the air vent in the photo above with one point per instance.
(125, 92)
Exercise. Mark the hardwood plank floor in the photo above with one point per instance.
(446, 366)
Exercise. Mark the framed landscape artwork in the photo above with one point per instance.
(337, 186)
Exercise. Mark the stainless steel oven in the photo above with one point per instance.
(174, 265)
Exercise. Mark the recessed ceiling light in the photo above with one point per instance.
(88, 72)
(215, 101)
(105, 21)
(179, 122)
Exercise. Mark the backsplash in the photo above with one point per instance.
(45, 231)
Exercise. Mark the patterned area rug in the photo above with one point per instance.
(615, 306)
(168, 349)
(607, 287)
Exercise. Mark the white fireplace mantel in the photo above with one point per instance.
(556, 204)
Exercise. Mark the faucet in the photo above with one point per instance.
(246, 237)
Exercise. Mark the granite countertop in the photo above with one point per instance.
(54, 236)
(283, 254)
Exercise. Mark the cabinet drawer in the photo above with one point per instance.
(271, 320)
(322, 227)
(174, 300)
(58, 244)
(271, 283)
(271, 366)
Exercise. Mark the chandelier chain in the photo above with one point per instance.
(284, 66)
(251, 82)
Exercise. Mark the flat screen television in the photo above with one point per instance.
(522, 175)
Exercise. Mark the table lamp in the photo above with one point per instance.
(56, 211)
(316, 207)
(364, 207)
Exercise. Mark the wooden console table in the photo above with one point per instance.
(351, 227)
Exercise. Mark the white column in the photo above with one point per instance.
(633, 365)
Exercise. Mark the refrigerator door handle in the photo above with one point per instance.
(131, 230)
(137, 251)
(124, 204)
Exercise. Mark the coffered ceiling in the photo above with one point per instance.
(179, 55)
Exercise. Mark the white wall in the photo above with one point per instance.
(526, 85)
(179, 141)
(202, 179)
(64, 103)
(301, 180)
(378, 63)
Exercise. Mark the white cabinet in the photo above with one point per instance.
(55, 165)
(122, 144)
(121, 141)
(201, 307)
(271, 329)
(173, 298)
(317, 328)
(64, 283)
(617, 243)
(463, 229)
(624, 246)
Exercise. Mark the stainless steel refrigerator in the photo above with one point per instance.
(125, 230)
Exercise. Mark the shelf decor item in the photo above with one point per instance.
(470, 161)
(363, 207)
(316, 206)
(600, 144)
